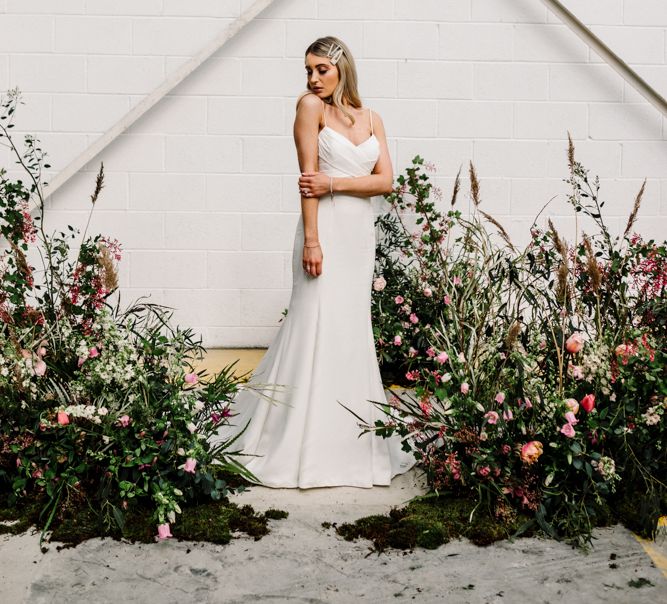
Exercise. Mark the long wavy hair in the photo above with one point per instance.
(346, 89)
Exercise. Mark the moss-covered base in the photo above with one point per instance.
(430, 523)
(214, 522)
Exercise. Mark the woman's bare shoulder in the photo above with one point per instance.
(310, 101)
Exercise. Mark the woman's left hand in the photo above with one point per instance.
(313, 184)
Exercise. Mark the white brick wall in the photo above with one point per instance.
(202, 189)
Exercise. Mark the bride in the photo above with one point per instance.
(324, 354)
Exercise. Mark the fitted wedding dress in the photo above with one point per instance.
(324, 353)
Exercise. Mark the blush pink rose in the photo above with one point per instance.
(191, 378)
(575, 343)
(379, 284)
(572, 405)
(190, 465)
(570, 418)
(465, 388)
(430, 352)
(447, 300)
(397, 340)
(456, 280)
(63, 418)
(588, 402)
(492, 417)
(93, 352)
(124, 420)
(568, 430)
(414, 318)
(443, 357)
(399, 299)
(163, 531)
(500, 398)
(428, 292)
(412, 352)
(531, 451)
(39, 367)
(507, 415)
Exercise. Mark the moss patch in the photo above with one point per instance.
(430, 523)
(213, 521)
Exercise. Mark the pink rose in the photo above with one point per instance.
(428, 292)
(63, 418)
(465, 388)
(379, 284)
(191, 378)
(412, 352)
(39, 368)
(430, 352)
(163, 531)
(190, 465)
(567, 430)
(399, 299)
(93, 352)
(457, 280)
(81, 361)
(572, 405)
(41, 351)
(588, 402)
(570, 418)
(447, 299)
(575, 343)
(528, 404)
(443, 357)
(507, 415)
(412, 375)
(500, 398)
(531, 451)
(484, 471)
(124, 420)
(397, 340)
(575, 371)
(491, 416)
(414, 318)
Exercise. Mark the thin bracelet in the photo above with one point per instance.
(316, 245)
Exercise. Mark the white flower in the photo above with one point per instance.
(102, 411)
(180, 451)
(192, 428)
(379, 284)
(199, 405)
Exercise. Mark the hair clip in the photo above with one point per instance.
(334, 53)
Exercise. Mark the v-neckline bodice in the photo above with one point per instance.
(345, 137)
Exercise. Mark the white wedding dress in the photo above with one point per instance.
(324, 354)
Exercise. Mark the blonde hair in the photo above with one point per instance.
(346, 89)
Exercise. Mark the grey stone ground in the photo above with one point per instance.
(302, 562)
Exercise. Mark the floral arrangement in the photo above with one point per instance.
(538, 374)
(100, 406)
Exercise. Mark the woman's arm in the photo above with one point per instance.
(306, 130)
(380, 181)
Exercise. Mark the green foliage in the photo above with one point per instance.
(538, 375)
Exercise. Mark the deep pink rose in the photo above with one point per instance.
(588, 402)
(568, 430)
(163, 531)
(575, 343)
(93, 352)
(484, 471)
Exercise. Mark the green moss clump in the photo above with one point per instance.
(429, 523)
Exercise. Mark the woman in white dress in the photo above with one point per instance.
(324, 353)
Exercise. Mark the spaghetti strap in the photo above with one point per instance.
(371, 114)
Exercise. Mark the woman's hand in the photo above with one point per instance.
(312, 260)
(314, 184)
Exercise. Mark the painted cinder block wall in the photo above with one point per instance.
(202, 190)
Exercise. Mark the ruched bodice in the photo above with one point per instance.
(339, 156)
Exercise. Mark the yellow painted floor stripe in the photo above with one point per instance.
(248, 358)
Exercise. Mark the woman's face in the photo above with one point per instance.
(321, 74)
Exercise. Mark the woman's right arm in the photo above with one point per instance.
(306, 132)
